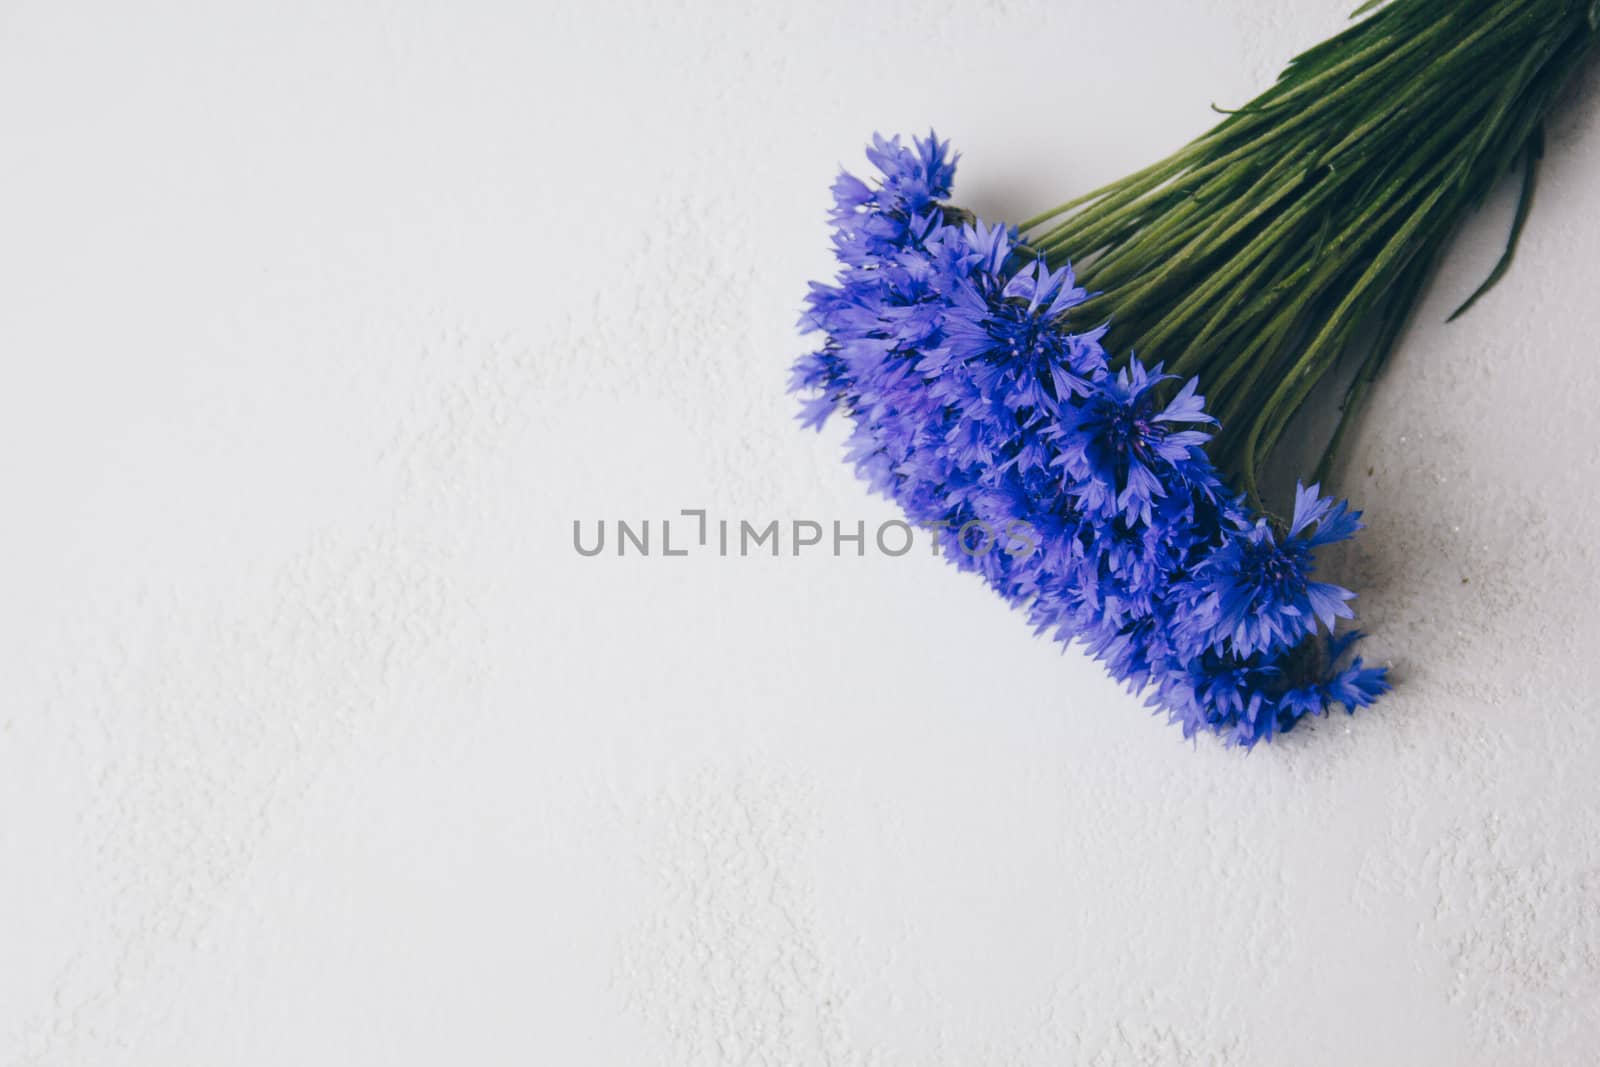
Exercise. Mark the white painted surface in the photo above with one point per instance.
(319, 744)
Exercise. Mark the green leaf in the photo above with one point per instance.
(1530, 178)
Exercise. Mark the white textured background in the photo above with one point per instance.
(319, 744)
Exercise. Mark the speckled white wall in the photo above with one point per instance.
(320, 744)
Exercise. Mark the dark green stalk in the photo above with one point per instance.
(1305, 224)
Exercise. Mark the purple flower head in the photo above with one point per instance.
(1254, 699)
(1123, 453)
(874, 222)
(1255, 593)
(1351, 686)
(914, 178)
(1012, 331)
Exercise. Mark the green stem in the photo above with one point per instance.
(1307, 222)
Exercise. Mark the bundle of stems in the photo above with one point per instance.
(1302, 228)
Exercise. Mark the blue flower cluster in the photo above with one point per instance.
(977, 405)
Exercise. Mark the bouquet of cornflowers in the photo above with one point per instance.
(1050, 375)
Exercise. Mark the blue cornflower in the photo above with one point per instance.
(870, 223)
(1255, 593)
(1011, 329)
(1253, 699)
(914, 178)
(1122, 452)
(1353, 685)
